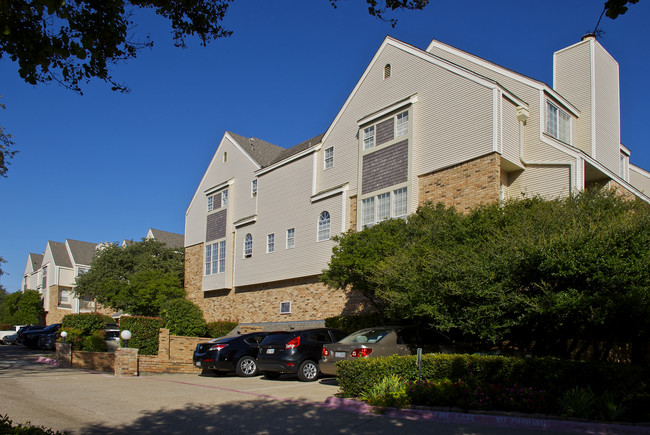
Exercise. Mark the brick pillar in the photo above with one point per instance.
(64, 354)
(126, 361)
(163, 343)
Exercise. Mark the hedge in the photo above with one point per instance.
(554, 375)
(220, 328)
(85, 331)
(144, 333)
(354, 323)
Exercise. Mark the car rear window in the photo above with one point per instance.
(367, 336)
(277, 338)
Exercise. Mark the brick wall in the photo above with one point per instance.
(463, 186)
(54, 313)
(622, 191)
(174, 355)
(101, 361)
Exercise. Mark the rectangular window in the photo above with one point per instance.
(329, 157)
(402, 126)
(253, 188)
(210, 202)
(44, 282)
(222, 256)
(291, 238)
(285, 307)
(215, 258)
(224, 198)
(368, 137)
(399, 202)
(558, 123)
(270, 243)
(64, 298)
(208, 259)
(368, 212)
(383, 207)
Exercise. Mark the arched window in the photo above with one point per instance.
(248, 246)
(324, 226)
(387, 71)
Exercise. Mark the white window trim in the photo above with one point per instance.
(293, 239)
(375, 205)
(328, 162)
(270, 243)
(248, 254)
(329, 227)
(282, 304)
(558, 120)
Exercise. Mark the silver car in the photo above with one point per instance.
(380, 341)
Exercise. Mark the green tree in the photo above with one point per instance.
(136, 279)
(22, 308)
(73, 41)
(531, 269)
(183, 317)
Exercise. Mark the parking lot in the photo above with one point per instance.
(83, 402)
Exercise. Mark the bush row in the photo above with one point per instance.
(86, 331)
(354, 323)
(552, 375)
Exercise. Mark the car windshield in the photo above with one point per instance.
(373, 335)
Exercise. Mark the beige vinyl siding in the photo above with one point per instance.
(285, 203)
(545, 181)
(534, 147)
(606, 116)
(510, 144)
(573, 69)
(640, 179)
(240, 204)
(447, 105)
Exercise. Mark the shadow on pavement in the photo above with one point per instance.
(256, 417)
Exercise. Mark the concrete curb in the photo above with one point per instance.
(503, 420)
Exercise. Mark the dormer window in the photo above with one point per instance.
(558, 123)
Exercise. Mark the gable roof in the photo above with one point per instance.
(36, 260)
(59, 254)
(172, 240)
(81, 252)
(261, 151)
(298, 148)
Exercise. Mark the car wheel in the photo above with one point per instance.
(308, 371)
(246, 366)
(272, 375)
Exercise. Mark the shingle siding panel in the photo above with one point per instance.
(385, 131)
(215, 227)
(385, 168)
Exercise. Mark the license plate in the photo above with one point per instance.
(339, 354)
(270, 351)
(198, 363)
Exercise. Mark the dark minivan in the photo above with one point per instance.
(295, 352)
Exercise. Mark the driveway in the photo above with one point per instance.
(83, 402)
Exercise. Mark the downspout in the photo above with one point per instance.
(522, 115)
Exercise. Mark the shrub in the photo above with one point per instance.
(144, 332)
(183, 317)
(390, 392)
(578, 402)
(87, 323)
(220, 328)
(7, 427)
(442, 392)
(5, 327)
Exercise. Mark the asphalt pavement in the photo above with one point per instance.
(85, 402)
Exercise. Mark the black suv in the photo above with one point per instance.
(226, 354)
(295, 352)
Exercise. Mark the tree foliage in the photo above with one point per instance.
(22, 308)
(136, 279)
(183, 317)
(542, 270)
(73, 41)
(6, 153)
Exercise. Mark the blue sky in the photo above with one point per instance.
(107, 166)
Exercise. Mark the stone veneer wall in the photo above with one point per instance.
(463, 186)
(353, 212)
(613, 185)
(310, 299)
(54, 313)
